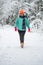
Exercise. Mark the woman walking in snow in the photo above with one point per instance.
(20, 25)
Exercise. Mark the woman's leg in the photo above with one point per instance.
(21, 34)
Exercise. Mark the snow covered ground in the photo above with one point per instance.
(12, 54)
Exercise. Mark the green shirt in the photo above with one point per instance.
(19, 22)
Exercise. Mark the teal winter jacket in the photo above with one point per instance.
(19, 23)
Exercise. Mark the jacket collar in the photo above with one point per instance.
(22, 16)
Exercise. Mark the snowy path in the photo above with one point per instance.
(12, 54)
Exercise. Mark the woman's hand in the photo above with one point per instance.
(15, 29)
(28, 29)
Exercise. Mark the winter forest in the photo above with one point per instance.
(33, 8)
(12, 52)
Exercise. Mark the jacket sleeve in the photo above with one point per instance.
(27, 23)
(16, 23)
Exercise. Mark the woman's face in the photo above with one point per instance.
(21, 14)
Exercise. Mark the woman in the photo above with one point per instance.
(20, 24)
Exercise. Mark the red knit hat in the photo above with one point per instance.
(21, 11)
